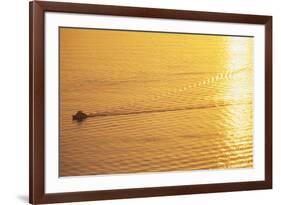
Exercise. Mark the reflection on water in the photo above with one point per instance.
(162, 102)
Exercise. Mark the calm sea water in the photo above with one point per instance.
(163, 117)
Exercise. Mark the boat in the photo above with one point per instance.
(79, 116)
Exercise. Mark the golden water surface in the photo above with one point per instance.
(168, 102)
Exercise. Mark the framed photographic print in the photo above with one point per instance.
(139, 102)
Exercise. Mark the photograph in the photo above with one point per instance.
(146, 101)
(132, 102)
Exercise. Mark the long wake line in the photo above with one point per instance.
(81, 116)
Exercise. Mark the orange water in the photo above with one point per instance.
(173, 102)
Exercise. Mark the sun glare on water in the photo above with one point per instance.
(239, 55)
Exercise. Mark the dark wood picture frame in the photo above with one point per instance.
(37, 193)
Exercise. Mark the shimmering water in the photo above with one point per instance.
(168, 102)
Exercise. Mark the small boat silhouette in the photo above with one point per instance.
(79, 116)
